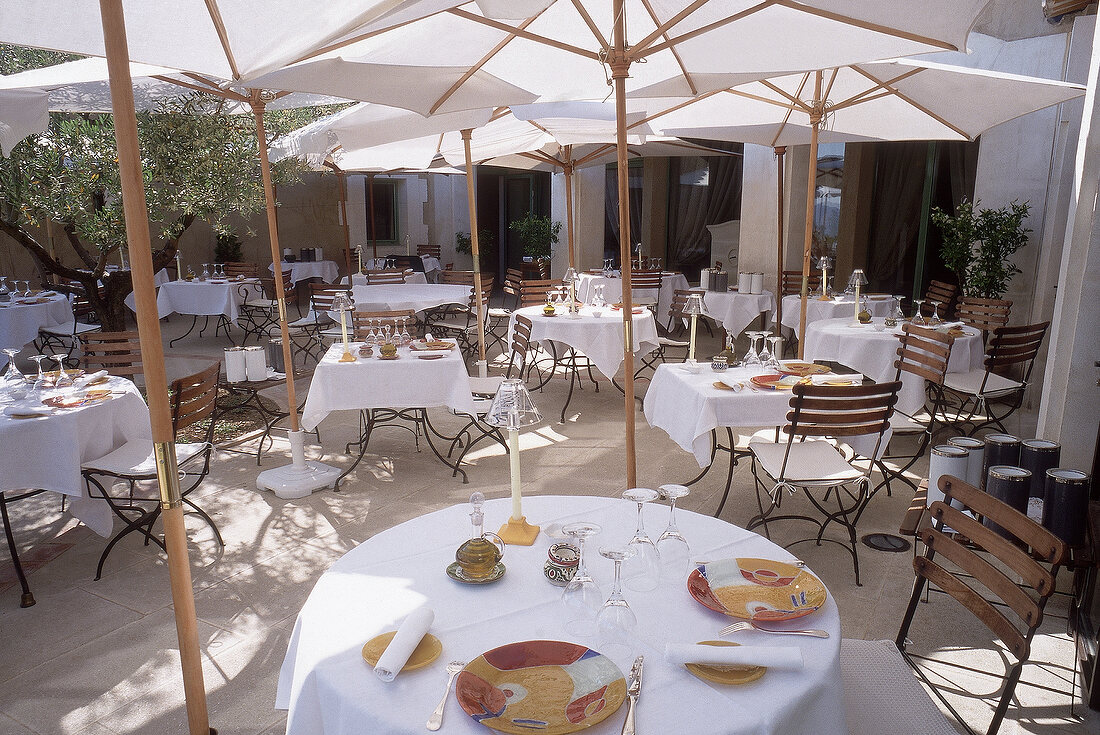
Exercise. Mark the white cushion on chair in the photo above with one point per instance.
(135, 458)
(485, 386)
(902, 424)
(809, 460)
(971, 382)
(883, 695)
(497, 313)
(66, 330)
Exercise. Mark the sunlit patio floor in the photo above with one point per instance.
(98, 658)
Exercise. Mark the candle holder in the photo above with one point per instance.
(342, 303)
(856, 282)
(570, 281)
(512, 409)
(825, 263)
(693, 307)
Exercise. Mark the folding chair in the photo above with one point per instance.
(983, 314)
(119, 353)
(389, 275)
(822, 411)
(533, 291)
(235, 268)
(1011, 591)
(792, 282)
(364, 322)
(645, 288)
(65, 337)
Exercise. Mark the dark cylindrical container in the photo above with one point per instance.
(1000, 449)
(1009, 485)
(975, 465)
(1066, 505)
(275, 355)
(1038, 456)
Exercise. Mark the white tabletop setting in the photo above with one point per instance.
(613, 289)
(416, 379)
(835, 307)
(42, 446)
(23, 316)
(329, 689)
(688, 403)
(213, 297)
(596, 332)
(360, 279)
(415, 296)
(736, 310)
(326, 270)
(872, 349)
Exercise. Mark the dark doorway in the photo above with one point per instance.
(503, 196)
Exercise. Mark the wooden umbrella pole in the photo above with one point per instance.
(471, 202)
(567, 169)
(780, 152)
(152, 358)
(343, 179)
(811, 187)
(276, 255)
(370, 193)
(620, 70)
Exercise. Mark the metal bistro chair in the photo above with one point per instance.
(923, 353)
(65, 337)
(119, 353)
(386, 275)
(362, 322)
(1011, 348)
(242, 269)
(193, 399)
(318, 325)
(461, 323)
(822, 411)
(645, 288)
(881, 693)
(523, 358)
(513, 277)
(983, 314)
(259, 314)
(792, 282)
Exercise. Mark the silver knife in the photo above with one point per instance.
(633, 689)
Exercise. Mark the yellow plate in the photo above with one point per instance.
(427, 651)
(725, 674)
(803, 369)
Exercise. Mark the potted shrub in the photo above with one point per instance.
(978, 245)
(227, 248)
(538, 234)
(486, 246)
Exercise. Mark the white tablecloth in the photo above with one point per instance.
(326, 270)
(46, 452)
(688, 407)
(329, 690)
(19, 323)
(598, 338)
(873, 351)
(407, 382)
(359, 279)
(415, 296)
(613, 290)
(205, 298)
(837, 307)
(734, 310)
(160, 278)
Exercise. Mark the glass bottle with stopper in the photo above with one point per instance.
(478, 558)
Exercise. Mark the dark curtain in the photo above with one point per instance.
(899, 172)
(692, 206)
(611, 210)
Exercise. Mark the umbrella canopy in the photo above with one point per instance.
(462, 60)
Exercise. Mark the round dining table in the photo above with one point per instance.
(837, 307)
(735, 310)
(360, 279)
(328, 689)
(872, 349)
(21, 318)
(414, 296)
(326, 270)
(613, 290)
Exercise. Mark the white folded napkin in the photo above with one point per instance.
(735, 383)
(408, 637)
(778, 657)
(86, 380)
(950, 325)
(855, 378)
(26, 409)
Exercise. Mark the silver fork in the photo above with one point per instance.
(436, 720)
(752, 625)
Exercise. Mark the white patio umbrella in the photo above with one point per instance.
(224, 38)
(460, 60)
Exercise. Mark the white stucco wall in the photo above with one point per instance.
(588, 203)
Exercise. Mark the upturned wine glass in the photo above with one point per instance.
(674, 548)
(12, 373)
(63, 379)
(935, 313)
(775, 348)
(405, 336)
(616, 621)
(918, 318)
(582, 596)
(752, 357)
(26, 290)
(205, 272)
(643, 571)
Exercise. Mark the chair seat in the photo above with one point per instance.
(816, 461)
(971, 382)
(67, 330)
(498, 313)
(135, 459)
(485, 386)
(311, 320)
(455, 324)
(882, 694)
(260, 304)
(902, 424)
(669, 342)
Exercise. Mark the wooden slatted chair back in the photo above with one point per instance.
(983, 314)
(119, 353)
(792, 282)
(1012, 346)
(942, 292)
(533, 292)
(645, 281)
(386, 275)
(322, 295)
(521, 344)
(924, 353)
(462, 278)
(840, 411)
(429, 250)
(363, 321)
(236, 268)
(195, 398)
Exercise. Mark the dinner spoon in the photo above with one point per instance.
(436, 720)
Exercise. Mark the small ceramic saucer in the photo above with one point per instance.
(455, 572)
(725, 674)
(426, 651)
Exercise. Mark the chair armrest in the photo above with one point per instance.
(916, 517)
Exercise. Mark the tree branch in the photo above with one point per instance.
(162, 257)
(78, 247)
(36, 249)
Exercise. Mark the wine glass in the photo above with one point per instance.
(776, 344)
(616, 621)
(41, 376)
(765, 355)
(898, 313)
(205, 272)
(936, 313)
(4, 285)
(643, 571)
(752, 357)
(63, 379)
(26, 290)
(406, 338)
(674, 548)
(12, 374)
(582, 595)
(918, 317)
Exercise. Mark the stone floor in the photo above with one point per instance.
(98, 657)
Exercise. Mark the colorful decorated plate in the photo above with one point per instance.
(426, 651)
(756, 589)
(431, 356)
(725, 674)
(802, 369)
(551, 687)
(777, 382)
